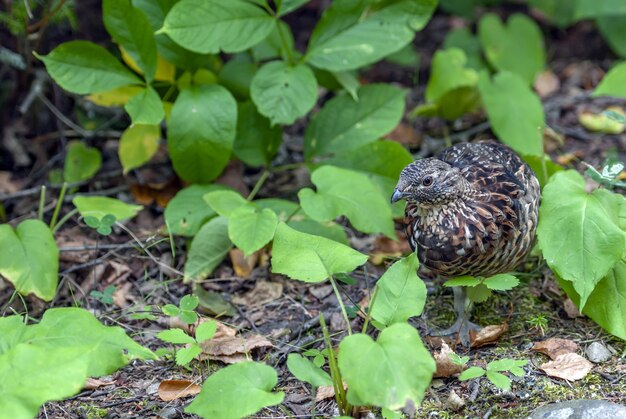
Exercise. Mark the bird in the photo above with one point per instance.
(472, 210)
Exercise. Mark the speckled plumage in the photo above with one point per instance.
(471, 209)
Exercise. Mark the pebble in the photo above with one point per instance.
(597, 353)
(580, 409)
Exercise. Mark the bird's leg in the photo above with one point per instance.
(462, 326)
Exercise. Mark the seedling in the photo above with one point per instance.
(184, 311)
(103, 225)
(611, 169)
(106, 296)
(539, 322)
(204, 332)
(493, 371)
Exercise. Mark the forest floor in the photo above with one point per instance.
(282, 311)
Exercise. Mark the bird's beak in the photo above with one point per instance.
(397, 195)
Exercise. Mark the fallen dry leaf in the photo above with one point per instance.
(554, 347)
(546, 83)
(445, 366)
(327, 392)
(455, 402)
(384, 248)
(487, 335)
(121, 295)
(177, 389)
(229, 348)
(405, 134)
(568, 366)
(263, 292)
(8, 186)
(570, 309)
(243, 266)
(94, 383)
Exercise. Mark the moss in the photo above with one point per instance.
(92, 411)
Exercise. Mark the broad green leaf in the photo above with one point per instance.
(188, 302)
(518, 123)
(595, 8)
(471, 372)
(579, 233)
(516, 47)
(550, 167)
(99, 206)
(236, 76)
(114, 97)
(311, 258)
(287, 6)
(462, 281)
(251, 230)
(29, 258)
(208, 248)
(213, 303)
(349, 193)
(283, 209)
(201, 132)
(499, 380)
(401, 293)
(145, 107)
(273, 46)
(330, 230)
(211, 26)
(462, 38)
(307, 371)
(392, 372)
(81, 162)
(406, 57)
(187, 211)
(206, 330)
(613, 83)
(452, 104)
(607, 303)
(283, 93)
(83, 67)
(560, 12)
(352, 34)
(257, 141)
(349, 82)
(225, 202)
(479, 293)
(130, 28)
(506, 364)
(236, 391)
(501, 282)
(185, 355)
(175, 336)
(139, 143)
(344, 123)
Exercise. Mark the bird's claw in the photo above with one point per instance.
(459, 330)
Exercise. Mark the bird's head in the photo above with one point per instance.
(430, 183)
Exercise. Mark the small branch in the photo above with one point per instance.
(258, 185)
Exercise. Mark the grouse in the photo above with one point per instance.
(471, 210)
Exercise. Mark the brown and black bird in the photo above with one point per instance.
(471, 210)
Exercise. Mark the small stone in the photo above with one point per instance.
(169, 413)
(337, 322)
(597, 353)
(455, 402)
(580, 409)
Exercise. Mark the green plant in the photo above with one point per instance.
(106, 296)
(539, 322)
(494, 370)
(203, 333)
(185, 310)
(102, 226)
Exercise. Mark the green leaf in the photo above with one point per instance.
(471, 372)
(478, 294)
(251, 230)
(287, 6)
(185, 355)
(188, 302)
(29, 258)
(205, 331)
(330, 230)
(188, 317)
(283, 93)
(594, 8)
(349, 81)
(613, 83)
(100, 206)
(236, 76)
(551, 167)
(105, 230)
(462, 38)
(92, 221)
(170, 310)
(201, 132)
(211, 26)
(579, 233)
(83, 67)
(518, 123)
(81, 162)
(349, 193)
(311, 258)
(607, 303)
(560, 12)
(613, 29)
(213, 303)
(398, 361)
(462, 281)
(208, 249)
(145, 107)
(307, 371)
(401, 293)
(225, 202)
(458, 360)
(501, 282)
(517, 47)
(499, 380)
(505, 364)
(187, 211)
(257, 141)
(139, 143)
(236, 391)
(615, 116)
(344, 123)
(176, 336)
(352, 34)
(130, 28)
(276, 44)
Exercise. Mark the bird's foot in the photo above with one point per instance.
(459, 330)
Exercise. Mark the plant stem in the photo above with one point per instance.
(341, 305)
(544, 169)
(258, 185)
(57, 208)
(283, 42)
(340, 393)
(63, 220)
(42, 200)
(368, 315)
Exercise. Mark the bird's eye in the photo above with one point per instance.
(427, 181)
